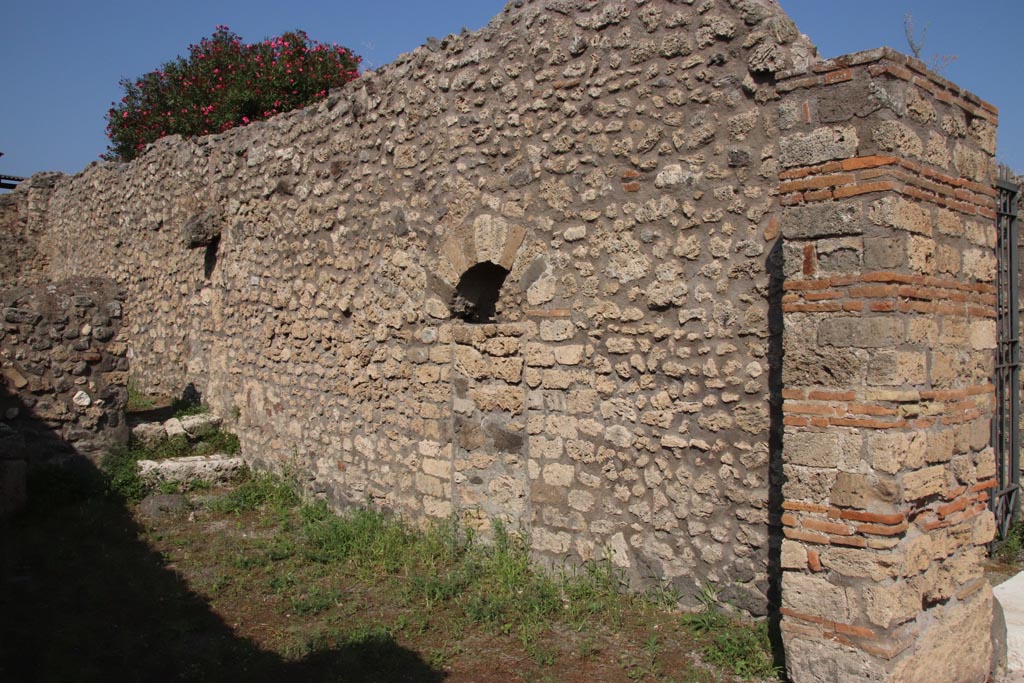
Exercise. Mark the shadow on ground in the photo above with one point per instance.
(83, 598)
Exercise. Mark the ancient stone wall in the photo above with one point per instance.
(888, 232)
(63, 377)
(616, 159)
(623, 275)
(24, 221)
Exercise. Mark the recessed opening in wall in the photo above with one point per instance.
(210, 262)
(476, 296)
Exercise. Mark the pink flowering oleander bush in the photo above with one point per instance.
(222, 84)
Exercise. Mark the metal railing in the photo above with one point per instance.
(1006, 421)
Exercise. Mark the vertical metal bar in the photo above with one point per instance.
(1013, 268)
(1006, 420)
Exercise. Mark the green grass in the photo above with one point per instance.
(137, 401)
(743, 649)
(362, 589)
(218, 441)
(494, 587)
(740, 647)
(184, 408)
(1010, 549)
(258, 491)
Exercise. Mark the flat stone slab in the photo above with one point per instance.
(192, 427)
(208, 468)
(1010, 594)
(198, 425)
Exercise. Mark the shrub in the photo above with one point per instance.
(222, 84)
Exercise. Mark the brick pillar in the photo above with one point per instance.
(888, 308)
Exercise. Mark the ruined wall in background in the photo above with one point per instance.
(889, 307)
(63, 377)
(24, 222)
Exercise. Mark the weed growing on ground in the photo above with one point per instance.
(121, 466)
(259, 490)
(137, 401)
(315, 601)
(364, 589)
(1010, 549)
(740, 647)
(743, 649)
(218, 442)
(182, 407)
(493, 586)
(710, 617)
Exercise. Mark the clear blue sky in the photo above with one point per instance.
(62, 59)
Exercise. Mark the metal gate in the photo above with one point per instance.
(1006, 421)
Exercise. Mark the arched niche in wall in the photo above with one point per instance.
(479, 265)
(477, 293)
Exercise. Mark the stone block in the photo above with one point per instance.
(979, 264)
(814, 221)
(543, 448)
(808, 484)
(892, 451)
(582, 501)
(894, 136)
(813, 449)
(557, 330)
(438, 508)
(902, 214)
(862, 491)
(921, 254)
(569, 355)
(174, 428)
(197, 426)
(815, 596)
(471, 362)
(868, 333)
(539, 355)
(149, 433)
(546, 541)
(808, 364)
(862, 564)
(926, 482)
(794, 555)
(497, 398)
(823, 144)
(431, 486)
(891, 603)
(211, 469)
(985, 464)
(814, 659)
(436, 468)
(508, 369)
(889, 367)
(983, 335)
